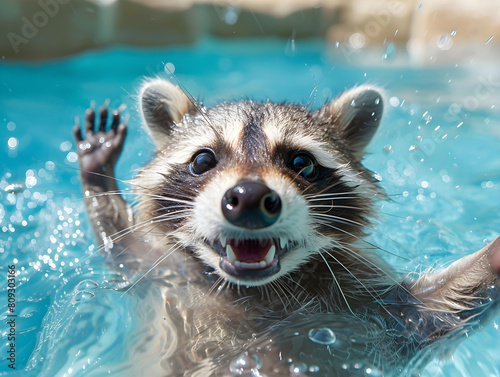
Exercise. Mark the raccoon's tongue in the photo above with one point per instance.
(250, 251)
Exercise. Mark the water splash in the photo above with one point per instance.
(245, 364)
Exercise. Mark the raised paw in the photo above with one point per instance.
(99, 150)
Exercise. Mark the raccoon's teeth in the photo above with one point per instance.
(282, 243)
(253, 265)
(223, 241)
(269, 256)
(231, 257)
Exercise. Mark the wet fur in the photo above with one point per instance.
(178, 218)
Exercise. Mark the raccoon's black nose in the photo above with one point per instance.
(251, 205)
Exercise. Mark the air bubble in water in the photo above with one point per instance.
(298, 368)
(245, 364)
(388, 149)
(322, 335)
(373, 372)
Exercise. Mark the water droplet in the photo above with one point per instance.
(322, 335)
(314, 368)
(14, 188)
(373, 372)
(445, 42)
(290, 48)
(65, 146)
(30, 182)
(394, 101)
(72, 157)
(81, 296)
(298, 368)
(413, 147)
(245, 364)
(389, 51)
(357, 40)
(388, 149)
(489, 39)
(230, 15)
(86, 284)
(49, 165)
(453, 33)
(13, 143)
(169, 68)
(353, 103)
(11, 126)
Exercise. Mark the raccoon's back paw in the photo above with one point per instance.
(99, 149)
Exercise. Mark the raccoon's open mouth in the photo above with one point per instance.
(251, 259)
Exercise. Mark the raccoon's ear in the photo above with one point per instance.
(357, 114)
(162, 105)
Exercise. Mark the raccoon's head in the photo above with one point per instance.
(256, 190)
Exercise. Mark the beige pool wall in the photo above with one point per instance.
(428, 32)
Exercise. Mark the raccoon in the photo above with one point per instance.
(258, 211)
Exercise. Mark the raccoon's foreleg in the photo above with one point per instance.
(448, 303)
(467, 289)
(98, 152)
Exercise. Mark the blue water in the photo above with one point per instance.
(437, 154)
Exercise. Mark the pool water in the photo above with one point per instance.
(437, 154)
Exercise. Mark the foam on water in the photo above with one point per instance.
(436, 154)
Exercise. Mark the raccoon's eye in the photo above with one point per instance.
(202, 161)
(304, 164)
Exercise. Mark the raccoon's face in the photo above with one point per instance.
(256, 190)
